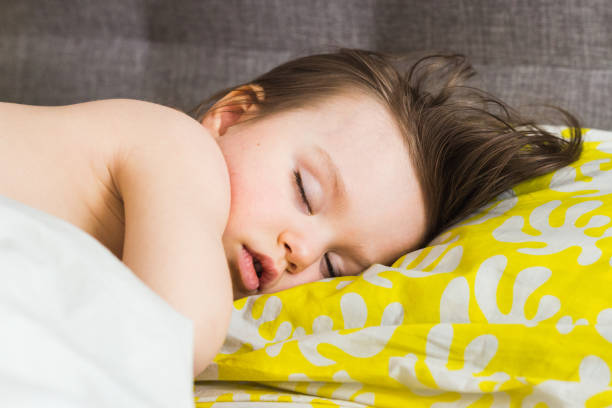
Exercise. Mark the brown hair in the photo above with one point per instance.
(466, 146)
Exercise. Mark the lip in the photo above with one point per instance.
(247, 270)
(269, 272)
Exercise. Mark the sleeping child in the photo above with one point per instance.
(277, 181)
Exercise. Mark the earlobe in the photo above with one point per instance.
(231, 109)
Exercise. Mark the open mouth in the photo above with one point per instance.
(257, 270)
(258, 267)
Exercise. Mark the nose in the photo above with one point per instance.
(301, 251)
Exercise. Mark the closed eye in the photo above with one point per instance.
(300, 185)
(330, 267)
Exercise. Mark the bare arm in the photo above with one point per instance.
(175, 188)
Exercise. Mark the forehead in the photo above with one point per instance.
(354, 112)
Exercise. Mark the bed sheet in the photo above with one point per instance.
(77, 327)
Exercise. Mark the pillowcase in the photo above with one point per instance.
(512, 307)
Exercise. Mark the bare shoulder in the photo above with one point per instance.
(140, 122)
(162, 146)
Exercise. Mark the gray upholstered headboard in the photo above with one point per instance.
(178, 52)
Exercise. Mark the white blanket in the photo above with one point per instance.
(77, 327)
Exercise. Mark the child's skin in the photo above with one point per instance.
(193, 206)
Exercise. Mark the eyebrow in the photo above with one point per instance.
(339, 192)
(331, 170)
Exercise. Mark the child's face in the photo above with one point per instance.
(372, 214)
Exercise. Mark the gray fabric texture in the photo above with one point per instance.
(56, 52)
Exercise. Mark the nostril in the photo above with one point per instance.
(288, 247)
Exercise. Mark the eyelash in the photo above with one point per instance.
(298, 182)
(300, 186)
(330, 267)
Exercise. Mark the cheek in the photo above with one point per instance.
(256, 198)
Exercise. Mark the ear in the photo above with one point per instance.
(231, 109)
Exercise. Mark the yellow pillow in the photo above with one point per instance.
(513, 307)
